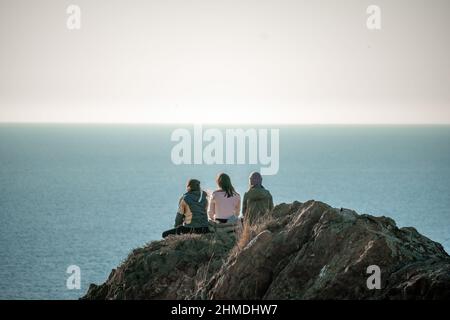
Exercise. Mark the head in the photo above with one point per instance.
(224, 182)
(193, 185)
(255, 179)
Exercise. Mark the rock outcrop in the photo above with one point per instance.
(300, 251)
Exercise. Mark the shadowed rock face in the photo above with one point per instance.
(169, 269)
(302, 251)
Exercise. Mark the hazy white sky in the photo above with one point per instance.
(265, 61)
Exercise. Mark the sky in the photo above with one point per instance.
(233, 61)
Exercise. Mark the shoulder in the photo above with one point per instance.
(182, 201)
(268, 195)
(250, 191)
(216, 193)
(184, 196)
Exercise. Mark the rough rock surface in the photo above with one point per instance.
(302, 251)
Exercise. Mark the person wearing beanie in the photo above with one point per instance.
(257, 200)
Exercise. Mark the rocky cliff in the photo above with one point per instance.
(300, 251)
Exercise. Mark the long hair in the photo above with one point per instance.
(224, 182)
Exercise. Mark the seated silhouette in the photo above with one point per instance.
(225, 202)
(191, 216)
(257, 200)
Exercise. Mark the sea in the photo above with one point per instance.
(85, 195)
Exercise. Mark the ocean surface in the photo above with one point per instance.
(86, 195)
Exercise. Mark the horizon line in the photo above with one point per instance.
(218, 123)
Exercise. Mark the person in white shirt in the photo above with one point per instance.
(225, 202)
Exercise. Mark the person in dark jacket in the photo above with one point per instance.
(191, 216)
(257, 200)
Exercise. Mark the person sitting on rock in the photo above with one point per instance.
(225, 202)
(191, 216)
(257, 200)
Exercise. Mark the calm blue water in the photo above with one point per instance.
(86, 195)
